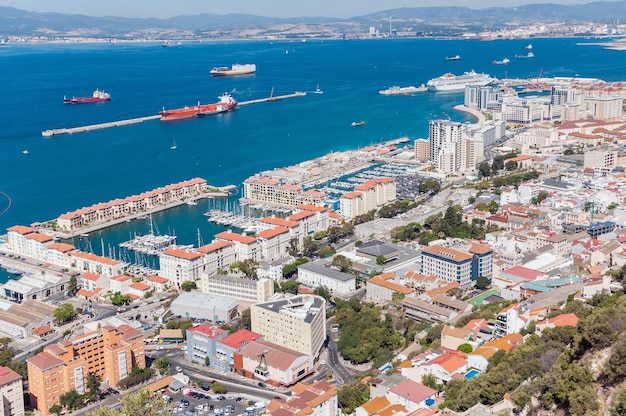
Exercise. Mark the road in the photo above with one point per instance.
(234, 385)
(342, 375)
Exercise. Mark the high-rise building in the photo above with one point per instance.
(297, 323)
(109, 352)
(444, 138)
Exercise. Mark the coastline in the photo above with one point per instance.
(480, 117)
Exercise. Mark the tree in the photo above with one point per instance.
(64, 313)
(352, 395)
(71, 399)
(310, 247)
(288, 286)
(72, 286)
(536, 200)
(93, 386)
(620, 406)
(381, 259)
(55, 408)
(466, 348)
(219, 388)
(342, 263)
(188, 285)
(510, 165)
(292, 248)
(397, 297)
(246, 319)
(207, 361)
(249, 267)
(323, 292)
(118, 299)
(484, 169)
(482, 282)
(430, 380)
(139, 403)
(326, 251)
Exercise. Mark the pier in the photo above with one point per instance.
(56, 132)
(82, 129)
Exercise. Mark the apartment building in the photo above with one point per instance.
(381, 288)
(453, 265)
(276, 192)
(317, 399)
(297, 322)
(11, 392)
(108, 352)
(180, 265)
(238, 287)
(369, 195)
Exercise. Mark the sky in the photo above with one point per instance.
(270, 8)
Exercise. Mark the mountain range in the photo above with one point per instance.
(435, 21)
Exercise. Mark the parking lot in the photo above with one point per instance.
(196, 402)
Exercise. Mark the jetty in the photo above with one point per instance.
(83, 129)
(56, 132)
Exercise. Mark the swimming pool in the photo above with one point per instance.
(471, 374)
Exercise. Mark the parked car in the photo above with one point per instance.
(261, 384)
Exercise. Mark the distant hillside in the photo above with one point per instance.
(432, 20)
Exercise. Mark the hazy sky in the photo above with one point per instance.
(271, 8)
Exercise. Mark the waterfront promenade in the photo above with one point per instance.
(480, 117)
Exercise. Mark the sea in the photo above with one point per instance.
(67, 172)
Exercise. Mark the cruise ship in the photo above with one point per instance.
(451, 82)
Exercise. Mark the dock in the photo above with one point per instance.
(273, 97)
(56, 132)
(82, 129)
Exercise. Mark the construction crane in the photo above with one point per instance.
(537, 83)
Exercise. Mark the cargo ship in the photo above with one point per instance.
(97, 97)
(226, 103)
(236, 69)
(396, 90)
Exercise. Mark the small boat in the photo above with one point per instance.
(13, 270)
(25, 152)
(317, 90)
(502, 62)
(528, 55)
(529, 46)
(97, 97)
(192, 203)
(173, 146)
(357, 123)
(453, 58)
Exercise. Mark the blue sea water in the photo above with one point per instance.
(67, 172)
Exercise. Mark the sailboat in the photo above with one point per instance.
(173, 146)
(317, 90)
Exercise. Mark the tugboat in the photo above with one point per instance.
(97, 97)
